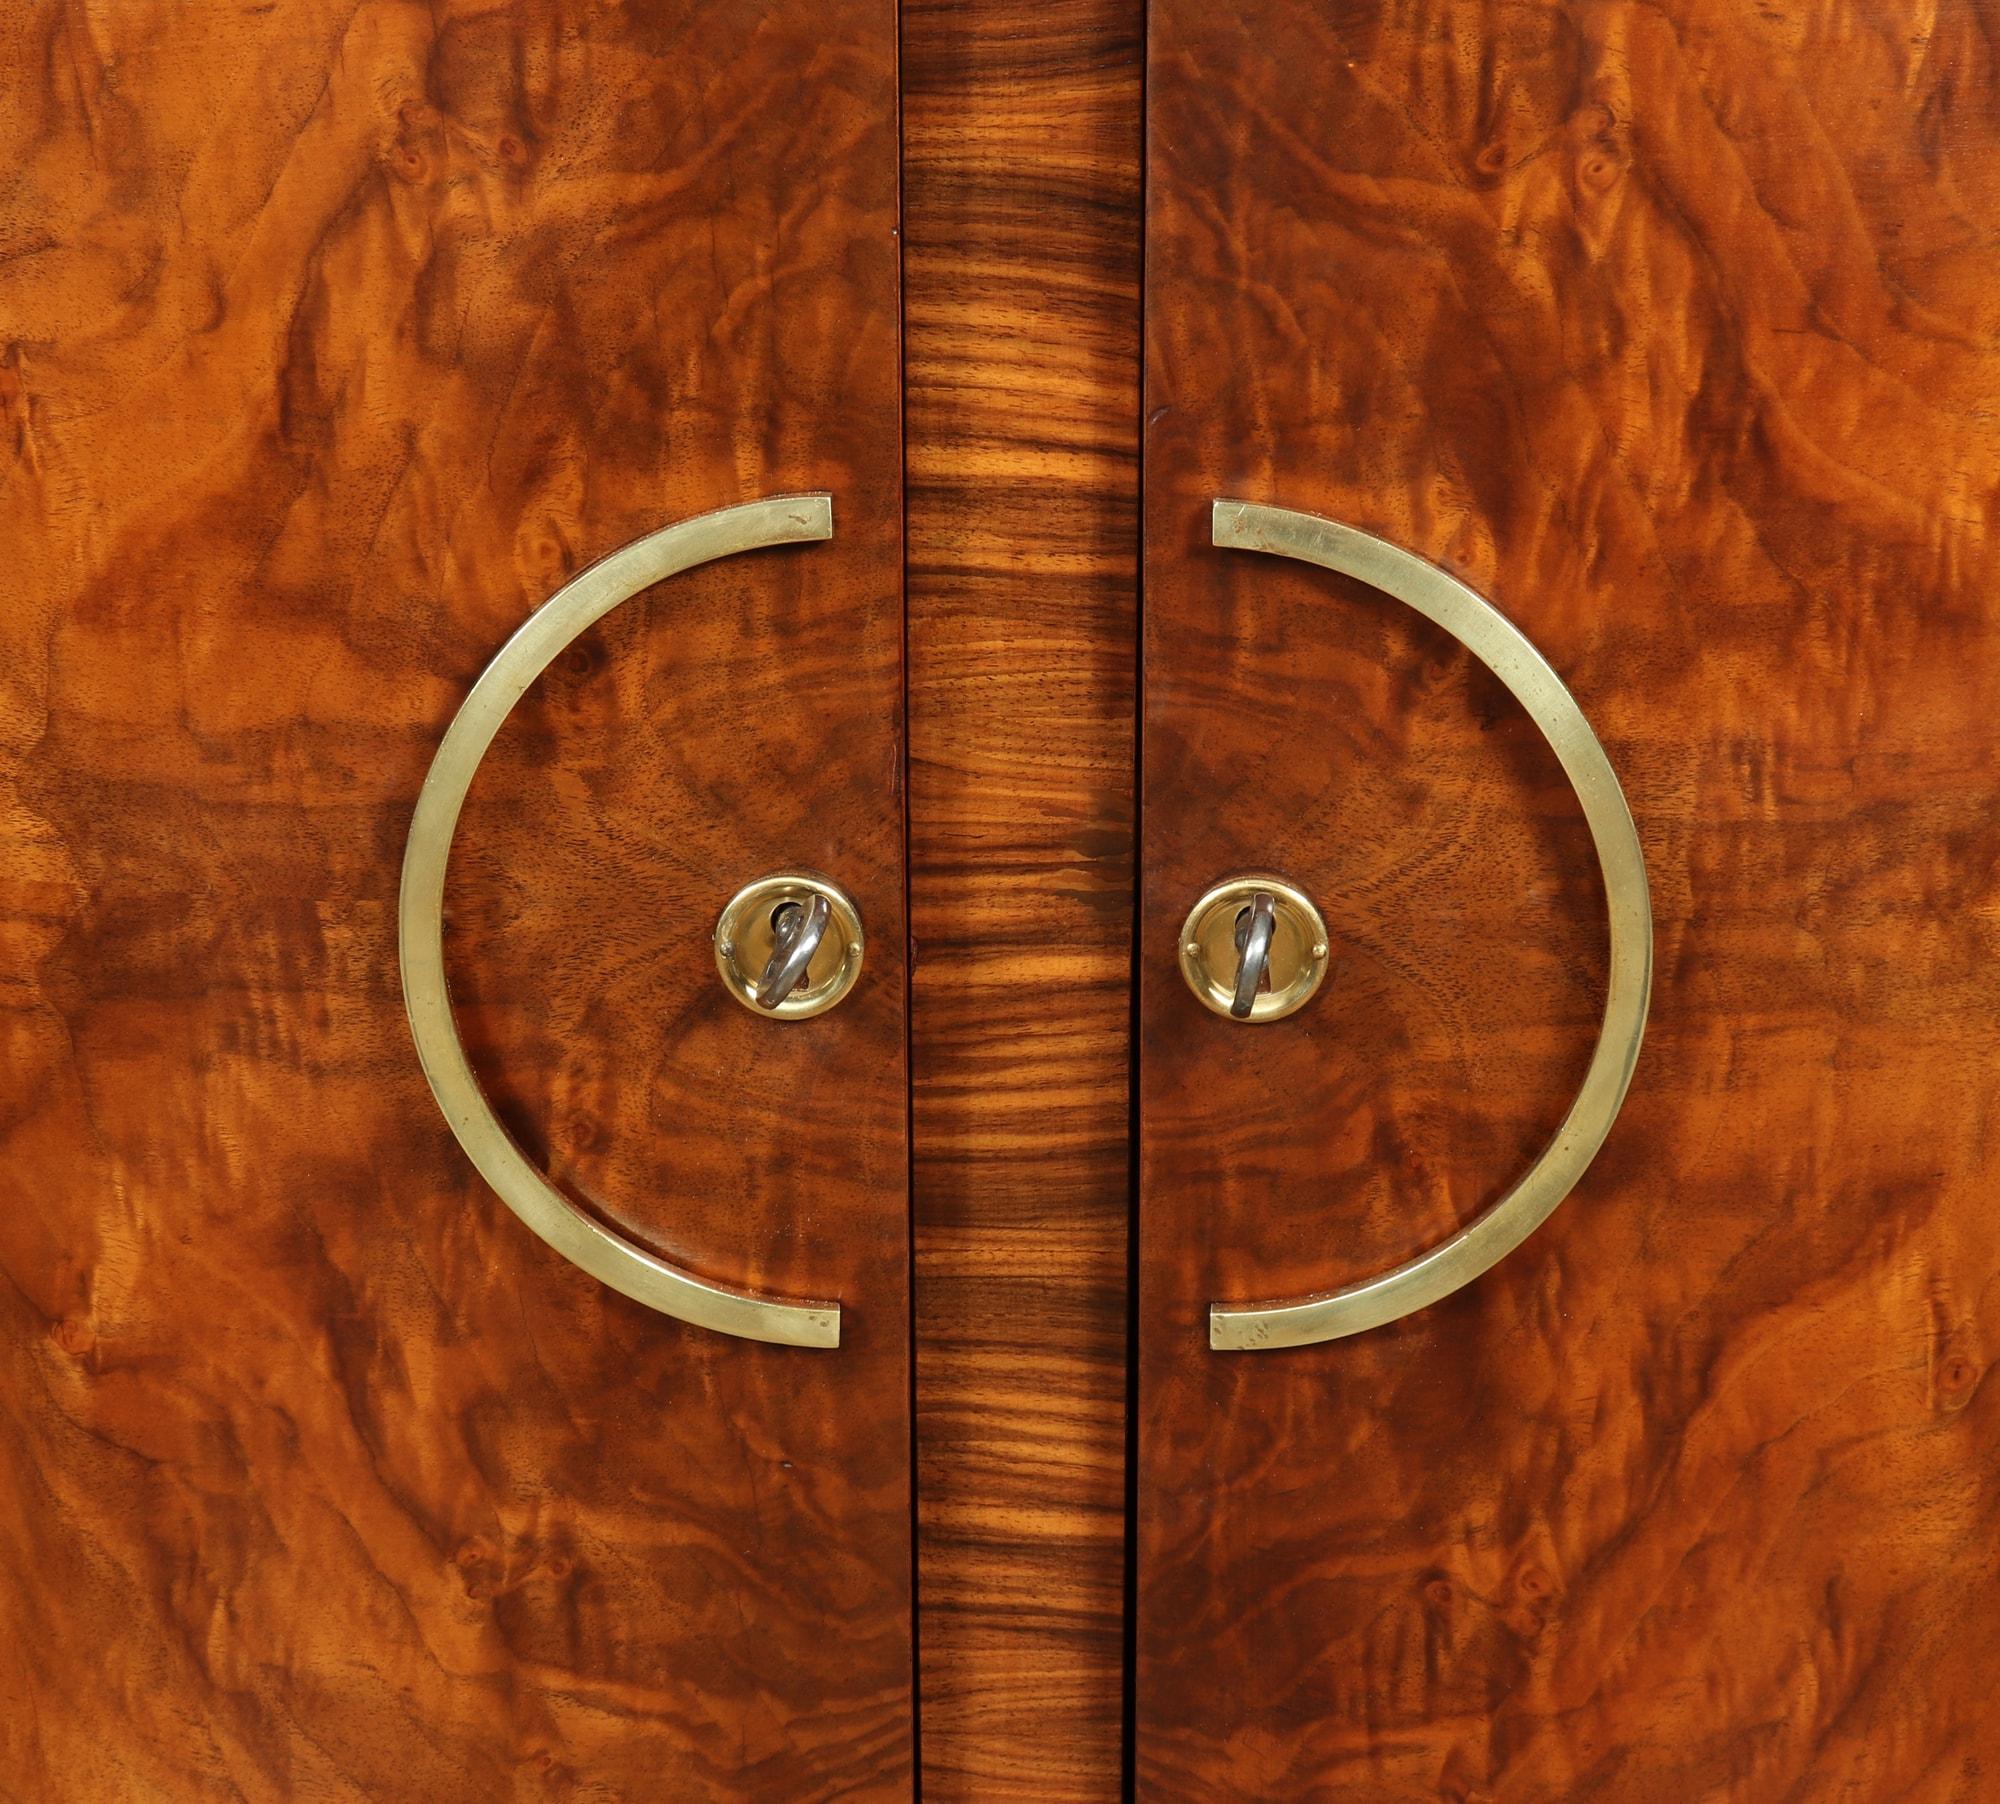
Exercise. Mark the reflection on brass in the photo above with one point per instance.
(1500, 646)
(771, 959)
(579, 1237)
(1234, 968)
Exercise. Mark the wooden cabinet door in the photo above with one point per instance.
(333, 340)
(1670, 330)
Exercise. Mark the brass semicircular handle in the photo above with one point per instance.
(1498, 644)
(541, 638)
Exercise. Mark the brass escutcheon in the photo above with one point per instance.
(1212, 948)
(748, 930)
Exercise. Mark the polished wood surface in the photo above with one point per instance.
(1671, 328)
(331, 341)
(1021, 270)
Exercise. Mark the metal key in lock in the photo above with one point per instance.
(800, 928)
(1254, 948)
(789, 945)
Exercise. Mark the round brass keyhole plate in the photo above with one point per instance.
(1210, 956)
(748, 930)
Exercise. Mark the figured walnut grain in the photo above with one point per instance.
(1671, 328)
(1021, 184)
(331, 341)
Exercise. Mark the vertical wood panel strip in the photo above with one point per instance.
(1021, 266)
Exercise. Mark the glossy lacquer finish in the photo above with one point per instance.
(1670, 330)
(335, 341)
(1021, 131)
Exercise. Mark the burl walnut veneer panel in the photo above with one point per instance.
(1672, 329)
(332, 339)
